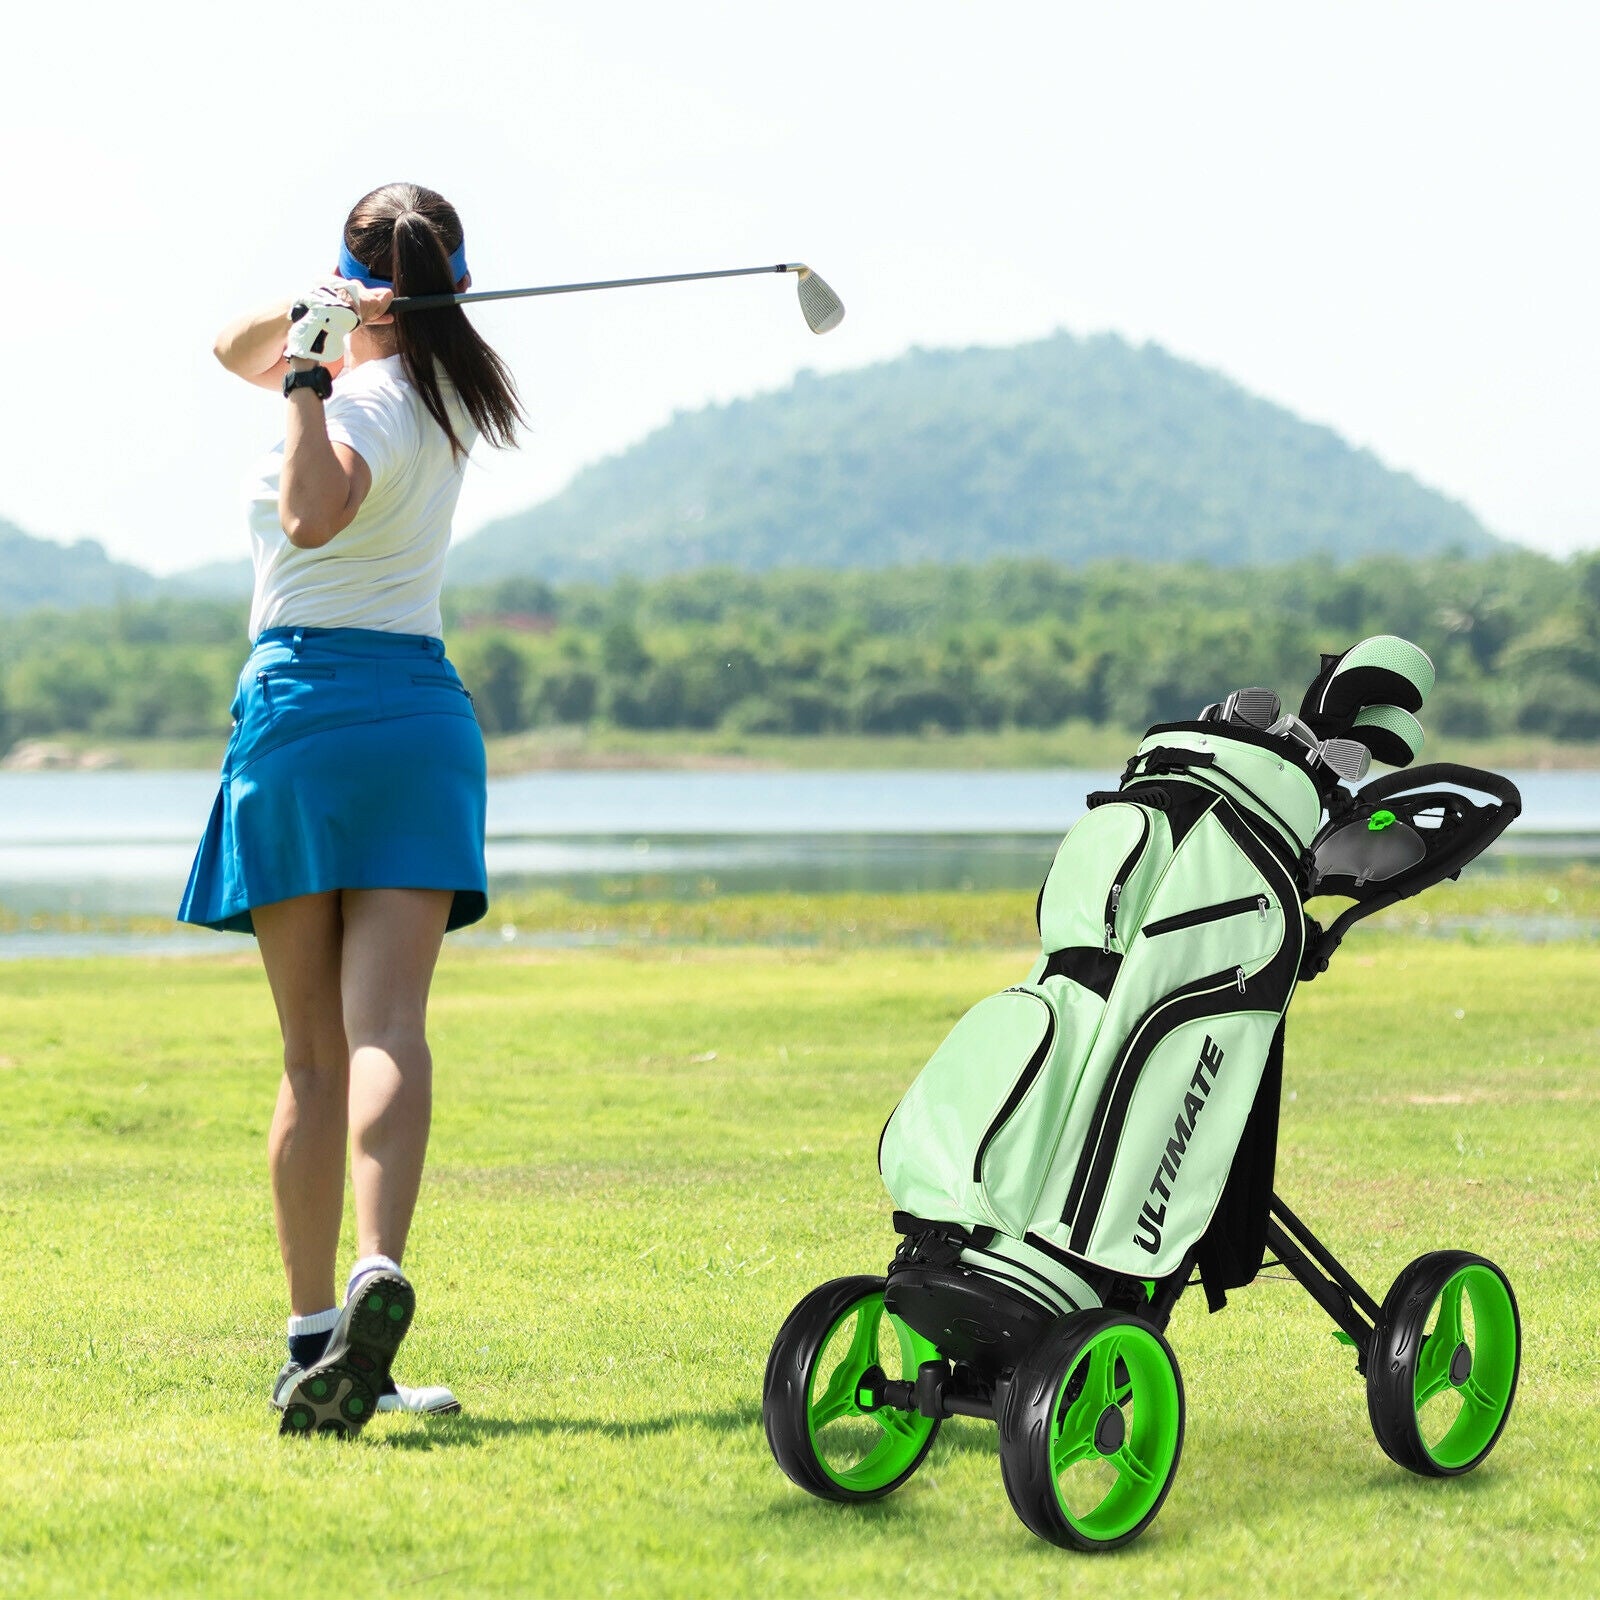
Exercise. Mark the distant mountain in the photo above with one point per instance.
(38, 572)
(1070, 449)
(215, 580)
(1067, 448)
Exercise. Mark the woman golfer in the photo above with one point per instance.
(348, 830)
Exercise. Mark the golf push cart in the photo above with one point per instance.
(1084, 1143)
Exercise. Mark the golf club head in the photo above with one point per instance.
(1255, 708)
(1289, 726)
(1348, 757)
(819, 305)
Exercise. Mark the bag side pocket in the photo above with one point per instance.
(941, 1133)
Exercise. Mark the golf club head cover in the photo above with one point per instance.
(1393, 736)
(318, 323)
(1380, 671)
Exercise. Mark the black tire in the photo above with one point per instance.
(1408, 1365)
(1080, 1383)
(788, 1404)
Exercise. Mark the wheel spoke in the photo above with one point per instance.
(1075, 1428)
(1475, 1396)
(1433, 1364)
(1128, 1465)
(1448, 1328)
(1068, 1451)
(864, 1342)
(839, 1401)
(897, 1424)
(839, 1398)
(1076, 1424)
(1103, 1374)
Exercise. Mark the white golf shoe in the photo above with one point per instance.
(432, 1401)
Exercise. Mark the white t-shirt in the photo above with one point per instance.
(386, 569)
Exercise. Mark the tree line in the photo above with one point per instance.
(1515, 637)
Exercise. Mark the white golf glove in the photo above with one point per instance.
(318, 323)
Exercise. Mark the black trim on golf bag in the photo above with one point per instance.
(1268, 990)
(1231, 1250)
(1183, 804)
(1086, 964)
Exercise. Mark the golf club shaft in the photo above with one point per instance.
(429, 302)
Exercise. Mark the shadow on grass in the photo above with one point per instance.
(473, 1432)
(1347, 1477)
(956, 1436)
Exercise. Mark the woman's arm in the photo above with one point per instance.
(251, 346)
(322, 484)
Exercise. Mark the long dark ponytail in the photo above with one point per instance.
(408, 234)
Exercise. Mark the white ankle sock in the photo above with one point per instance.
(317, 1322)
(368, 1264)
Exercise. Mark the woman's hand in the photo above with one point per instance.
(371, 305)
(252, 346)
(318, 323)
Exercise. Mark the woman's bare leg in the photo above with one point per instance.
(391, 942)
(300, 944)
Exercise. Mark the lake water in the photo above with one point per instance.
(119, 843)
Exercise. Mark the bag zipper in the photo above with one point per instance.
(1258, 903)
(1130, 863)
(1021, 1086)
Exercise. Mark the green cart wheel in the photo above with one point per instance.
(1443, 1368)
(818, 1398)
(1091, 1430)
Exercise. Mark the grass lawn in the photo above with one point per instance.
(1552, 901)
(642, 1159)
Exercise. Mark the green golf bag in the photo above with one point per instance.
(1094, 1110)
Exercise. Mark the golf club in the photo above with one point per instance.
(820, 306)
(1255, 708)
(1345, 758)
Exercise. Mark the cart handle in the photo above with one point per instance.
(1482, 826)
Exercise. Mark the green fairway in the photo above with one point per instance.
(641, 1160)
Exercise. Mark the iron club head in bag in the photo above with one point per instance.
(1255, 708)
(1345, 758)
(819, 305)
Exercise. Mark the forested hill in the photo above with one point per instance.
(37, 572)
(1073, 449)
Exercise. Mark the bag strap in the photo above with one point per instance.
(936, 1244)
(1166, 758)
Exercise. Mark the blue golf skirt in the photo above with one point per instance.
(355, 763)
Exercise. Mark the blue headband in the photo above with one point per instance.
(353, 270)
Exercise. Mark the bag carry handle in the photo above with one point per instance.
(1474, 829)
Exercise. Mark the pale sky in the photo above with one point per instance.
(1381, 215)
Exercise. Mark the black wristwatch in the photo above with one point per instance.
(315, 379)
